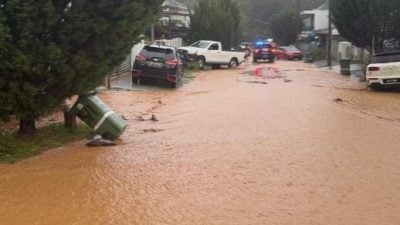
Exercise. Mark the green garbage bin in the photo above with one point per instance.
(91, 110)
(345, 66)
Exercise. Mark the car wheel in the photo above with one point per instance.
(272, 60)
(375, 87)
(172, 84)
(201, 61)
(233, 63)
(135, 81)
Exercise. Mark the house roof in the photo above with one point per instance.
(174, 4)
(324, 6)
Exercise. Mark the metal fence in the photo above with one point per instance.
(123, 68)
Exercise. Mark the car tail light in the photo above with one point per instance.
(373, 68)
(172, 62)
(171, 78)
(140, 58)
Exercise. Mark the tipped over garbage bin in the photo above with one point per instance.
(91, 110)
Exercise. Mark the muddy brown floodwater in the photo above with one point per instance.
(302, 146)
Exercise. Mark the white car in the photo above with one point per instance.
(211, 53)
(384, 69)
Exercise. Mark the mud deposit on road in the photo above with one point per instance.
(221, 151)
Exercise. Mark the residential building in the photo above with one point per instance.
(174, 21)
(316, 31)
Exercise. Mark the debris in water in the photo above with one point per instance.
(153, 118)
(140, 118)
(257, 82)
(337, 100)
(152, 130)
(100, 142)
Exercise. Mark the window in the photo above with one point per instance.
(213, 47)
(387, 58)
(165, 53)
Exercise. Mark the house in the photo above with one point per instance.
(174, 20)
(316, 33)
(316, 21)
(316, 29)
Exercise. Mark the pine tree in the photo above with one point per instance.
(367, 23)
(52, 50)
(216, 20)
(286, 26)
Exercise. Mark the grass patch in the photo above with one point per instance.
(14, 147)
(190, 70)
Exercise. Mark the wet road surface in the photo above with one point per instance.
(294, 146)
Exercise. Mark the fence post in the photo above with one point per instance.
(108, 81)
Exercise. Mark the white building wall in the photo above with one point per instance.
(321, 19)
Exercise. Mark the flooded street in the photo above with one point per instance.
(293, 145)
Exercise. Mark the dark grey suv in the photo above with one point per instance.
(158, 62)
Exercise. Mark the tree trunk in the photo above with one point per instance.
(27, 126)
(69, 119)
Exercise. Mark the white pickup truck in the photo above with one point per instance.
(211, 53)
(384, 70)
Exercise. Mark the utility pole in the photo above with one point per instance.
(152, 33)
(329, 50)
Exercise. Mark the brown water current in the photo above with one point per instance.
(306, 146)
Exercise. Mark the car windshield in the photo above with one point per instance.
(200, 44)
(165, 53)
(386, 58)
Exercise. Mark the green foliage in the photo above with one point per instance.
(257, 15)
(192, 66)
(216, 20)
(14, 147)
(286, 26)
(52, 50)
(367, 23)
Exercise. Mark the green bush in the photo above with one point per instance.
(192, 66)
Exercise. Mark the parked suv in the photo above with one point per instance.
(384, 69)
(263, 51)
(158, 62)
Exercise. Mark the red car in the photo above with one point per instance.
(289, 52)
